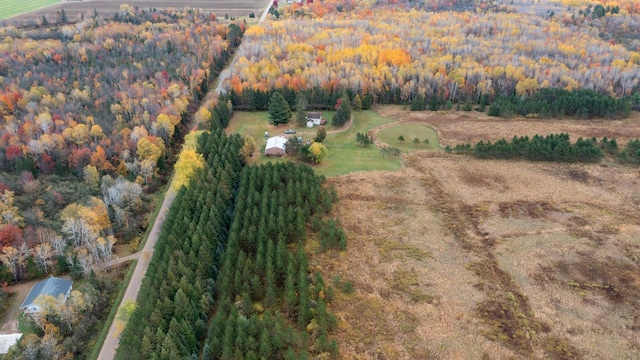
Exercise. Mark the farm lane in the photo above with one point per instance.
(110, 345)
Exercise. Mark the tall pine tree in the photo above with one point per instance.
(279, 111)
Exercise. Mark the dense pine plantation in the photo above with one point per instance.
(177, 294)
(269, 306)
(266, 304)
(546, 103)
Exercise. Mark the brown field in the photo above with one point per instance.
(73, 9)
(457, 258)
(457, 127)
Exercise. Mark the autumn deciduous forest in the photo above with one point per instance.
(90, 115)
(396, 53)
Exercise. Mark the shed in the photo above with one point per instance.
(7, 341)
(276, 146)
(52, 286)
(316, 118)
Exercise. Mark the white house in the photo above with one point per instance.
(276, 146)
(315, 118)
(52, 286)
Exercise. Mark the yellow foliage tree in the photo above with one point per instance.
(91, 177)
(9, 214)
(188, 162)
(147, 150)
(317, 152)
(249, 147)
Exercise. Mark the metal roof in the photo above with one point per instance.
(52, 286)
(277, 142)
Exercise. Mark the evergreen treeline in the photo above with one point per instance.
(317, 98)
(178, 292)
(554, 147)
(545, 103)
(269, 307)
(549, 102)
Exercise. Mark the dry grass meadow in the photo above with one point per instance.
(458, 258)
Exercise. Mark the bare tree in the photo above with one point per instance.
(43, 253)
(9, 257)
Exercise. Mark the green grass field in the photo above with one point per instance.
(9, 8)
(410, 132)
(344, 156)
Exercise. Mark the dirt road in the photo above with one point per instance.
(110, 345)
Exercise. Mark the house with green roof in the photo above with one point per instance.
(56, 287)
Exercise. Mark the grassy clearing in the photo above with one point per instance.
(409, 132)
(9, 8)
(25, 325)
(345, 155)
(112, 313)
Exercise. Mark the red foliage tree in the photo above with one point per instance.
(10, 235)
(79, 158)
(46, 165)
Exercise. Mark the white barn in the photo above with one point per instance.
(276, 146)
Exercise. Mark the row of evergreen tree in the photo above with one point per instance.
(554, 147)
(317, 98)
(178, 291)
(256, 300)
(545, 103)
(268, 304)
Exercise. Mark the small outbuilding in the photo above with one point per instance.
(56, 287)
(276, 146)
(7, 341)
(315, 118)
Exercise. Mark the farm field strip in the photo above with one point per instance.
(106, 8)
(9, 8)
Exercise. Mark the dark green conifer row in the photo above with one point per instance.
(268, 304)
(229, 278)
(178, 292)
(554, 147)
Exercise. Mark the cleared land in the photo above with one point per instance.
(458, 258)
(73, 9)
(390, 134)
(9, 8)
(457, 127)
(344, 154)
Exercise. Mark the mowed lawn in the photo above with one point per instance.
(344, 155)
(9, 8)
(410, 132)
